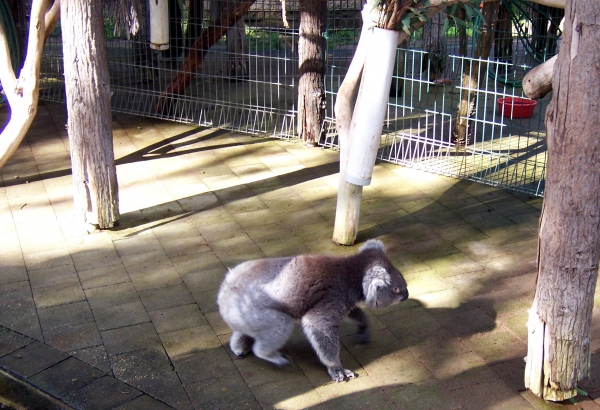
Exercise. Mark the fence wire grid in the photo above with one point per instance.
(248, 82)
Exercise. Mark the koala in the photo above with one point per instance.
(260, 300)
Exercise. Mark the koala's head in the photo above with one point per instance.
(383, 284)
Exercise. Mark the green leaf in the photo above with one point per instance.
(406, 24)
(454, 10)
(459, 22)
(469, 11)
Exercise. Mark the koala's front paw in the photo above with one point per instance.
(338, 375)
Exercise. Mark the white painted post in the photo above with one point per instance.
(359, 148)
(371, 105)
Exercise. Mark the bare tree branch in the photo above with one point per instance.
(538, 82)
(22, 94)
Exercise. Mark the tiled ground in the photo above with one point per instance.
(127, 318)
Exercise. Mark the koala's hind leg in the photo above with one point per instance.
(269, 339)
(322, 332)
(359, 316)
(240, 344)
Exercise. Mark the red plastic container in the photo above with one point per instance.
(516, 107)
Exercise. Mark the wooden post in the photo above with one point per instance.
(360, 145)
(558, 349)
(371, 105)
(96, 194)
(311, 70)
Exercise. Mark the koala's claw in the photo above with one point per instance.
(338, 375)
(349, 374)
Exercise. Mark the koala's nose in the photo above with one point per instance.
(403, 295)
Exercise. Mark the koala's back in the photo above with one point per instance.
(293, 285)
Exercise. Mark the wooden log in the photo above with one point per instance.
(538, 82)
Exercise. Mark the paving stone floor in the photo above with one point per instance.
(127, 318)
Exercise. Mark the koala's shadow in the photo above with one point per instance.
(419, 363)
(396, 330)
(410, 344)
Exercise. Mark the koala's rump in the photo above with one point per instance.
(242, 297)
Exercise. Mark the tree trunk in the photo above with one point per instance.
(558, 354)
(472, 73)
(311, 87)
(89, 115)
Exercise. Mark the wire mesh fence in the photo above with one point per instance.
(247, 80)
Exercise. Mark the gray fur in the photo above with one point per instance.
(260, 300)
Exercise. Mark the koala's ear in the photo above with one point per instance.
(373, 244)
(376, 277)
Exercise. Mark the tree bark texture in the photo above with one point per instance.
(311, 52)
(472, 73)
(569, 236)
(89, 115)
(193, 60)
